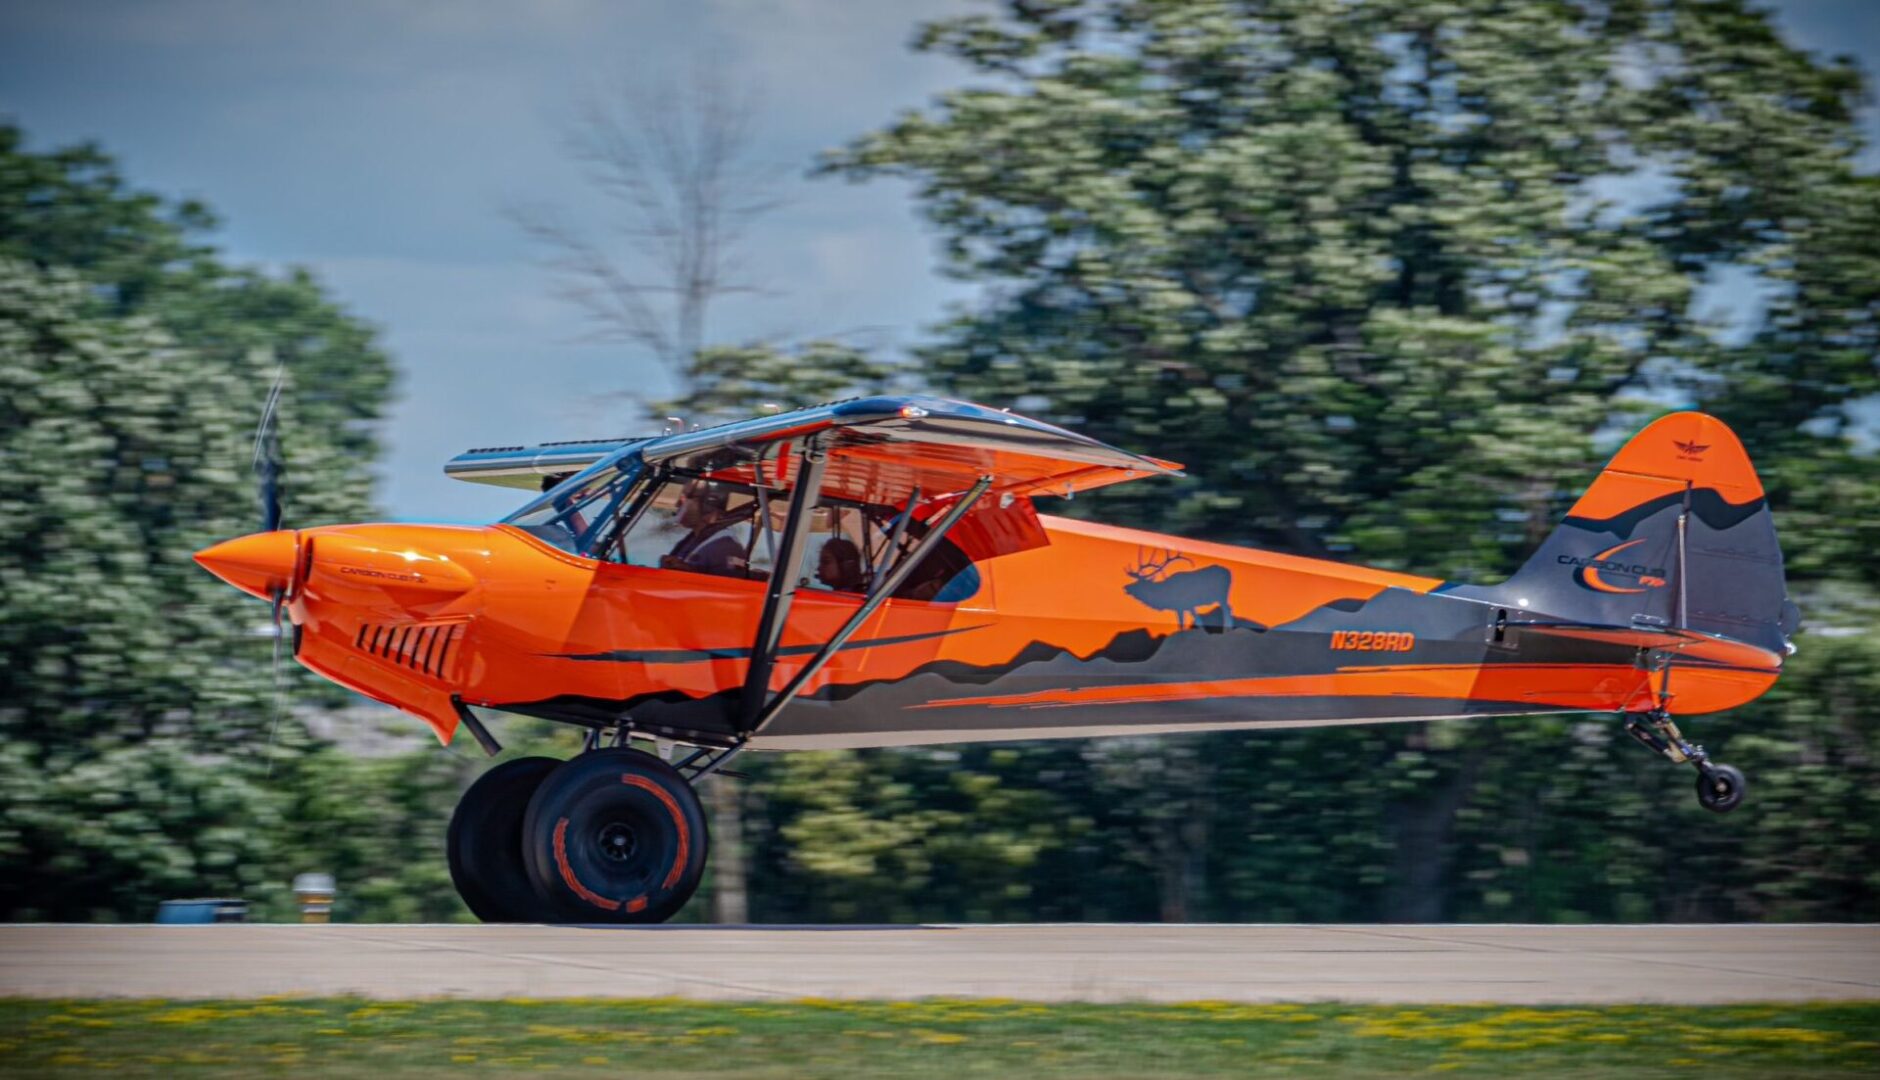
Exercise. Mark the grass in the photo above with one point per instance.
(677, 1038)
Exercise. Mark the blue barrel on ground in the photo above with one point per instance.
(203, 910)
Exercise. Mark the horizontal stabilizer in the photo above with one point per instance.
(1689, 645)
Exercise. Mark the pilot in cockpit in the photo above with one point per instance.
(709, 548)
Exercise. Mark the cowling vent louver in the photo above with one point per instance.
(425, 648)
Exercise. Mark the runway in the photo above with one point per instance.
(1398, 964)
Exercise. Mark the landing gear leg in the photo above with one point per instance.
(1719, 787)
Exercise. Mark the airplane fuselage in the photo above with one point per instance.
(1073, 638)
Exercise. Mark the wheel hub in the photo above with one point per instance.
(617, 841)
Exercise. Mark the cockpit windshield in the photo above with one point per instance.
(578, 514)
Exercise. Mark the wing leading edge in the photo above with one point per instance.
(523, 467)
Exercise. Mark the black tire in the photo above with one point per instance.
(612, 836)
(484, 842)
(1720, 788)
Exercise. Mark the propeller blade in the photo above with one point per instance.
(267, 466)
(277, 601)
(267, 457)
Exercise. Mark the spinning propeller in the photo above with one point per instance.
(267, 466)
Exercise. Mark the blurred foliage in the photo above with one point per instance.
(1391, 280)
(135, 695)
(1379, 274)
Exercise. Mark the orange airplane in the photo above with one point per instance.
(873, 573)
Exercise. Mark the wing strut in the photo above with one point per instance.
(784, 574)
(894, 535)
(882, 590)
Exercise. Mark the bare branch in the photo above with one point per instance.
(677, 162)
(588, 279)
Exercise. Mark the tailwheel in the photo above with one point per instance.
(614, 835)
(1719, 787)
(484, 843)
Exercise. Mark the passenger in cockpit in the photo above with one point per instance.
(840, 565)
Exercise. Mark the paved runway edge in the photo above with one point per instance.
(1712, 964)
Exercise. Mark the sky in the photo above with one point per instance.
(377, 142)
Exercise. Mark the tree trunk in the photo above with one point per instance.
(730, 899)
(1182, 839)
(1423, 830)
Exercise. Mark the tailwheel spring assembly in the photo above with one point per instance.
(1719, 787)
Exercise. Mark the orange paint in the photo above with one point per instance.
(1656, 463)
(567, 872)
(1590, 573)
(1560, 686)
(684, 854)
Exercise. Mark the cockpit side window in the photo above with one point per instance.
(691, 522)
(947, 576)
(716, 517)
(686, 519)
(855, 545)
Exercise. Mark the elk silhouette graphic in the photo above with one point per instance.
(1185, 592)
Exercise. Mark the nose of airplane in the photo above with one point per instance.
(259, 563)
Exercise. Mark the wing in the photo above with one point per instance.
(524, 466)
(881, 448)
(882, 451)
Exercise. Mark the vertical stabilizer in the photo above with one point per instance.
(1674, 533)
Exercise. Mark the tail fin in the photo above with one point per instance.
(1674, 533)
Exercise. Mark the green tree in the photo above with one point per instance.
(1350, 264)
(141, 256)
(135, 693)
(117, 654)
